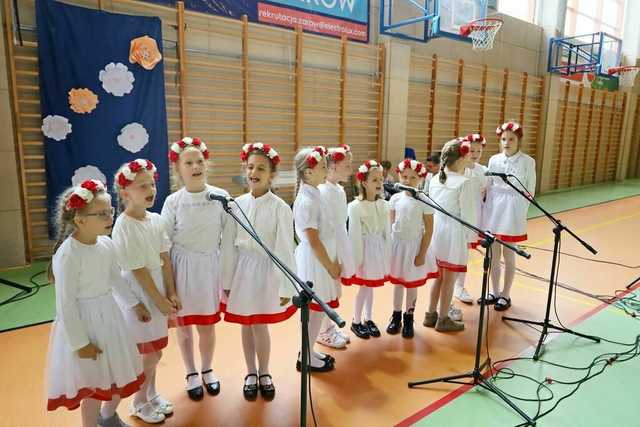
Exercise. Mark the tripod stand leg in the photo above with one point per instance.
(441, 379)
(15, 285)
(495, 390)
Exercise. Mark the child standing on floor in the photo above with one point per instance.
(316, 255)
(411, 227)
(369, 232)
(142, 247)
(92, 357)
(454, 192)
(260, 293)
(201, 256)
(338, 170)
(505, 211)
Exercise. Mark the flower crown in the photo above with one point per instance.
(265, 149)
(412, 164)
(512, 126)
(128, 172)
(475, 137)
(365, 168)
(465, 148)
(179, 146)
(316, 156)
(83, 194)
(339, 153)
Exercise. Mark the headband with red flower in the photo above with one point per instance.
(465, 148)
(179, 146)
(128, 172)
(365, 168)
(83, 194)
(475, 137)
(339, 153)
(317, 154)
(417, 166)
(265, 149)
(512, 126)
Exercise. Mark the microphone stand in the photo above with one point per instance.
(476, 373)
(302, 301)
(633, 283)
(557, 231)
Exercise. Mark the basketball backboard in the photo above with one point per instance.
(588, 53)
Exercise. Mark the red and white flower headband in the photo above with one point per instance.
(128, 173)
(465, 148)
(417, 166)
(265, 149)
(83, 194)
(179, 146)
(340, 153)
(316, 156)
(365, 168)
(512, 126)
(475, 137)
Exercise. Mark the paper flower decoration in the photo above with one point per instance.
(87, 172)
(144, 51)
(82, 100)
(56, 127)
(133, 137)
(116, 79)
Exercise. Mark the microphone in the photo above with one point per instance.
(397, 187)
(216, 197)
(498, 174)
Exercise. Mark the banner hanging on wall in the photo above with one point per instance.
(327, 17)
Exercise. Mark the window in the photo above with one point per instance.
(521, 9)
(592, 16)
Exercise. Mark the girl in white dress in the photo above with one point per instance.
(505, 211)
(201, 255)
(142, 247)
(369, 232)
(454, 192)
(260, 294)
(338, 170)
(316, 255)
(92, 357)
(411, 228)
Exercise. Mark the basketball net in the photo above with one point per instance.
(626, 74)
(482, 32)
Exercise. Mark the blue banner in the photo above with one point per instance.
(353, 10)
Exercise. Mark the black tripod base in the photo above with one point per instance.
(15, 285)
(479, 380)
(545, 333)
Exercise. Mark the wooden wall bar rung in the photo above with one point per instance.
(432, 102)
(523, 97)
(576, 129)
(600, 134)
(587, 139)
(456, 125)
(560, 141)
(505, 85)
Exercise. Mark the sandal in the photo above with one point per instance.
(489, 300)
(268, 391)
(502, 304)
(250, 391)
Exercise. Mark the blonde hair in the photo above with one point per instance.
(449, 155)
(300, 164)
(177, 179)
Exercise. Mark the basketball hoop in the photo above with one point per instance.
(482, 32)
(626, 74)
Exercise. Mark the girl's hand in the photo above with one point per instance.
(419, 260)
(284, 301)
(175, 301)
(165, 306)
(142, 313)
(334, 270)
(89, 351)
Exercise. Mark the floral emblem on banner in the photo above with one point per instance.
(82, 100)
(144, 51)
(116, 79)
(56, 127)
(133, 137)
(87, 172)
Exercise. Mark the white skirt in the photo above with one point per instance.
(376, 262)
(150, 336)
(505, 215)
(255, 292)
(116, 371)
(310, 269)
(198, 286)
(449, 245)
(403, 270)
(345, 253)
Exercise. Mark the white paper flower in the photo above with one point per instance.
(56, 127)
(133, 137)
(87, 172)
(116, 79)
(363, 169)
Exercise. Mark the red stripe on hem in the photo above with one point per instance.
(259, 319)
(511, 239)
(316, 307)
(95, 393)
(415, 283)
(195, 319)
(153, 346)
(367, 282)
(452, 267)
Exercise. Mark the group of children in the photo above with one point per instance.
(192, 265)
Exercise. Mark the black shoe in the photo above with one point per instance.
(268, 391)
(325, 357)
(373, 329)
(194, 393)
(502, 304)
(326, 367)
(250, 391)
(490, 300)
(360, 330)
(212, 388)
(395, 324)
(407, 325)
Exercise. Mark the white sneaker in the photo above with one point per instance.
(462, 295)
(161, 405)
(455, 313)
(331, 339)
(342, 334)
(147, 413)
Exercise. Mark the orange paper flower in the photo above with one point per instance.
(82, 100)
(144, 51)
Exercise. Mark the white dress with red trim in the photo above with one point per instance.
(201, 254)
(449, 243)
(406, 236)
(258, 284)
(138, 244)
(505, 211)
(86, 312)
(337, 200)
(309, 212)
(370, 235)
(480, 182)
